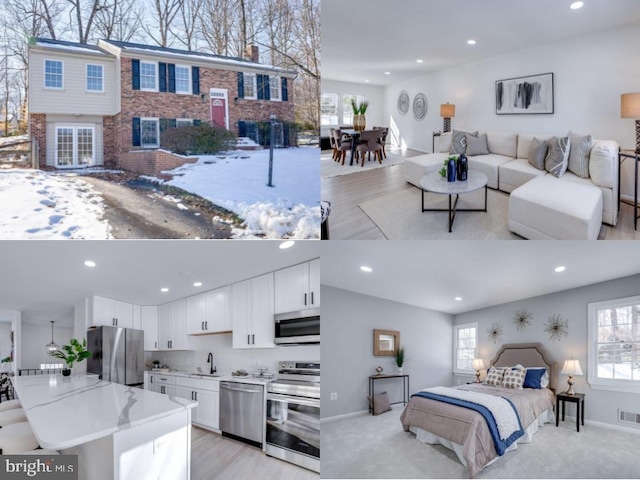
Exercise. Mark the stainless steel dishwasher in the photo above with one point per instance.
(242, 411)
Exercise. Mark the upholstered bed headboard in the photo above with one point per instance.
(527, 355)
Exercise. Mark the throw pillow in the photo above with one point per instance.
(538, 152)
(514, 378)
(444, 144)
(533, 378)
(477, 145)
(379, 403)
(581, 146)
(557, 159)
(494, 377)
(459, 142)
(604, 156)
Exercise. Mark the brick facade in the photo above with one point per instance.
(38, 130)
(151, 162)
(110, 141)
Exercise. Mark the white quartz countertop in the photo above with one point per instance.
(221, 377)
(67, 411)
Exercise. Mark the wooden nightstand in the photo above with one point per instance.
(578, 399)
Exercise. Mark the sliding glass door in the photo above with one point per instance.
(75, 146)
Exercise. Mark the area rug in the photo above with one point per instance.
(329, 168)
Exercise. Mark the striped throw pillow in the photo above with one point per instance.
(514, 378)
(494, 377)
(557, 159)
(581, 146)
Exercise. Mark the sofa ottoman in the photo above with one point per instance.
(547, 208)
(417, 167)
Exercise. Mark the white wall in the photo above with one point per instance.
(600, 405)
(348, 321)
(34, 339)
(5, 343)
(590, 74)
(373, 93)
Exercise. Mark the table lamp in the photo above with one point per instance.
(571, 367)
(630, 108)
(447, 111)
(478, 364)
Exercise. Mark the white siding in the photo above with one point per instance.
(54, 121)
(73, 98)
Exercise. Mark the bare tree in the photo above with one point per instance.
(163, 14)
(120, 21)
(84, 26)
(186, 32)
(218, 25)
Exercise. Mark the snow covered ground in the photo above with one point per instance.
(43, 205)
(237, 181)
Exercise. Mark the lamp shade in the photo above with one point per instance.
(630, 105)
(571, 367)
(447, 110)
(478, 364)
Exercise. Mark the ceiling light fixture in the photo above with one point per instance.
(420, 60)
(387, 73)
(52, 347)
(287, 244)
(164, 289)
(458, 299)
(576, 5)
(364, 268)
(197, 284)
(560, 268)
(90, 263)
(471, 42)
(366, 81)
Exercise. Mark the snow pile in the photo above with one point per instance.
(278, 220)
(42, 205)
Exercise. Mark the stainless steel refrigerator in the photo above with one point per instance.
(117, 354)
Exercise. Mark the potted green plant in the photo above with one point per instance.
(359, 120)
(400, 358)
(7, 360)
(72, 353)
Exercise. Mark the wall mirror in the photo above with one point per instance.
(385, 342)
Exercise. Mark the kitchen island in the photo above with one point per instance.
(118, 432)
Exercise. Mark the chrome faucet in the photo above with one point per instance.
(212, 369)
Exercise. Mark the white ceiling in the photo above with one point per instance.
(431, 274)
(44, 279)
(361, 39)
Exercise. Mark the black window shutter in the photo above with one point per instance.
(172, 77)
(173, 123)
(195, 80)
(285, 91)
(135, 74)
(162, 76)
(196, 123)
(135, 129)
(266, 86)
(260, 83)
(240, 85)
(242, 129)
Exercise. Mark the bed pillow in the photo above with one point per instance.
(514, 378)
(494, 376)
(379, 403)
(533, 379)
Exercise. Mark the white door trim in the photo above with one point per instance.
(225, 95)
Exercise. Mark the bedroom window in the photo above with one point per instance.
(53, 74)
(183, 80)
(465, 341)
(614, 345)
(148, 77)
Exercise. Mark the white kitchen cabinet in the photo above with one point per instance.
(217, 310)
(149, 323)
(207, 393)
(252, 313)
(164, 326)
(298, 287)
(109, 312)
(196, 314)
(172, 326)
(137, 317)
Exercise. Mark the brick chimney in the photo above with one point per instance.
(251, 54)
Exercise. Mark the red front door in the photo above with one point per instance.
(219, 112)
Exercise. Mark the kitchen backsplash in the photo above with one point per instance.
(226, 359)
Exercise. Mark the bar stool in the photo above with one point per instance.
(15, 415)
(17, 438)
(10, 405)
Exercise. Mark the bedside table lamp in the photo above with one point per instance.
(478, 364)
(630, 108)
(447, 111)
(571, 367)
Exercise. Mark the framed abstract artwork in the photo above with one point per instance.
(525, 95)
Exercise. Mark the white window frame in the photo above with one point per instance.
(157, 80)
(275, 81)
(86, 80)
(456, 328)
(44, 74)
(254, 82)
(338, 109)
(188, 90)
(74, 144)
(615, 385)
(150, 119)
(359, 99)
(184, 120)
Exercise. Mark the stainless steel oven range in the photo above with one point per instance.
(293, 414)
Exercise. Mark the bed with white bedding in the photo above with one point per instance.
(477, 427)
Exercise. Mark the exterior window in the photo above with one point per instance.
(465, 341)
(183, 80)
(250, 88)
(95, 80)
(149, 133)
(53, 74)
(614, 345)
(274, 88)
(148, 77)
(329, 109)
(347, 110)
(184, 122)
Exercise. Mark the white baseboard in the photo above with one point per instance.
(345, 415)
(610, 426)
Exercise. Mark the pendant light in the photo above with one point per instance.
(52, 347)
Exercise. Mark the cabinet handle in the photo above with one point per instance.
(305, 298)
(248, 339)
(196, 396)
(168, 344)
(151, 379)
(116, 322)
(253, 339)
(201, 325)
(191, 395)
(312, 302)
(206, 325)
(156, 345)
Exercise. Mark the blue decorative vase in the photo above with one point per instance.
(451, 170)
(463, 168)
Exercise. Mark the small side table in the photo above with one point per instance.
(405, 387)
(578, 399)
(433, 141)
(622, 156)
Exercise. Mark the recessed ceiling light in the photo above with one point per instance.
(387, 73)
(197, 284)
(420, 60)
(287, 244)
(458, 299)
(366, 81)
(471, 42)
(164, 289)
(576, 5)
(560, 268)
(364, 268)
(90, 263)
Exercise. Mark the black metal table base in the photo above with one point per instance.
(453, 209)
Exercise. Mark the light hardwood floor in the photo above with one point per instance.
(349, 222)
(214, 457)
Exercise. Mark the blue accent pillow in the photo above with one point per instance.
(534, 377)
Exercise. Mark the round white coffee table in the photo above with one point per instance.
(436, 183)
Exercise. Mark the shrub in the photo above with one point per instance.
(197, 140)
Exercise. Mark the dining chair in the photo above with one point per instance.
(342, 146)
(332, 142)
(369, 143)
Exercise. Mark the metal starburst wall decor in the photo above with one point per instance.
(495, 332)
(522, 319)
(556, 327)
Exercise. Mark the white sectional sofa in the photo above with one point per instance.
(507, 168)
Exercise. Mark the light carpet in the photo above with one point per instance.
(377, 447)
(330, 168)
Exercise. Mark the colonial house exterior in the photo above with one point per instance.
(107, 104)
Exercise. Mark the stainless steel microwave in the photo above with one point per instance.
(294, 328)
